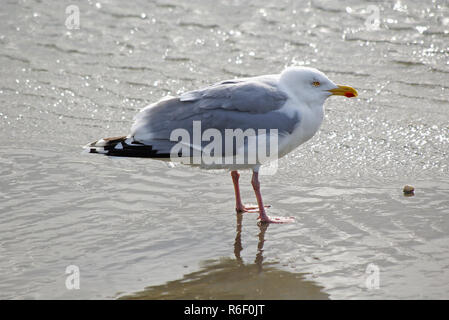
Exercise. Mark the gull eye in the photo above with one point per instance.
(316, 83)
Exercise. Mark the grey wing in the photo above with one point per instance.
(252, 103)
(253, 95)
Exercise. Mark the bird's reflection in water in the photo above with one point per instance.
(259, 256)
(227, 278)
(238, 242)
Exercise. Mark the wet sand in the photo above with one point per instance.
(235, 279)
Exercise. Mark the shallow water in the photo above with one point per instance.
(137, 228)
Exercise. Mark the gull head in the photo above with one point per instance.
(311, 86)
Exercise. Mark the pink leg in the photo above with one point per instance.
(262, 214)
(239, 207)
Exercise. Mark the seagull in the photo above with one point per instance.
(289, 106)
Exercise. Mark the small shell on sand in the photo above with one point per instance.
(409, 190)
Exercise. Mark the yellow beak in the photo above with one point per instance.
(346, 91)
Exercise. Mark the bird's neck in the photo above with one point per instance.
(310, 121)
(311, 118)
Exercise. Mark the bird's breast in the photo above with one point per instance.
(310, 122)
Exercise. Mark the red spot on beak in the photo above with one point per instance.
(349, 94)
